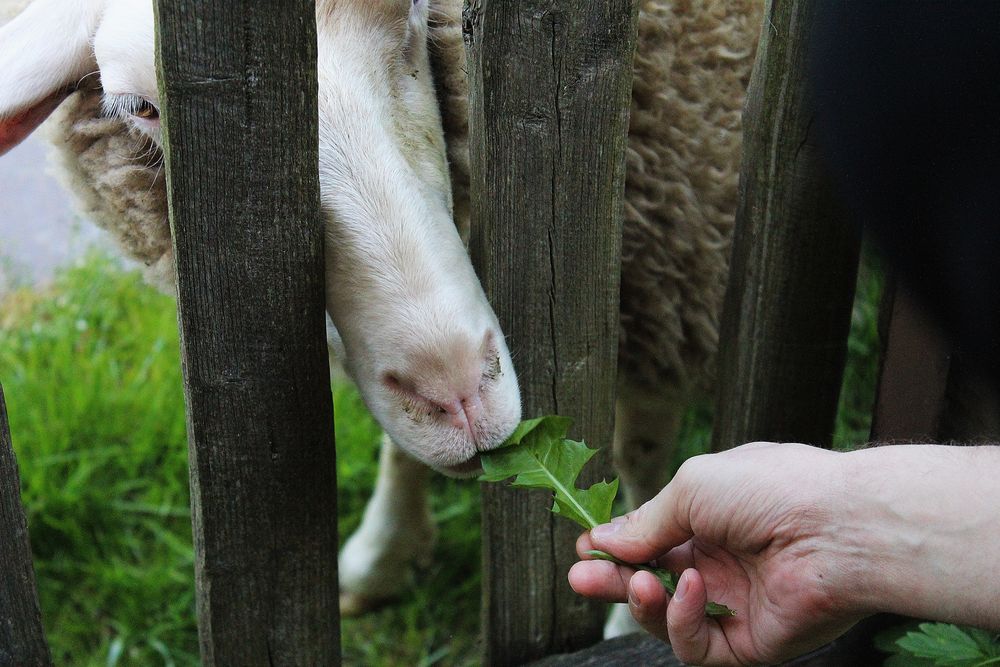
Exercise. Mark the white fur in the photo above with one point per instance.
(45, 48)
(404, 302)
(400, 288)
(408, 316)
(418, 335)
(396, 530)
(124, 46)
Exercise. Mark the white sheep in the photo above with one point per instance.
(411, 324)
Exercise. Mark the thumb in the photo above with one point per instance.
(648, 532)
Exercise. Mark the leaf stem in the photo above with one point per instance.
(669, 581)
(560, 487)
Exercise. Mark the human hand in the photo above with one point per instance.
(762, 528)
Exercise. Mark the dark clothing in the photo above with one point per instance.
(907, 97)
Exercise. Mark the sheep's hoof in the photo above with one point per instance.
(358, 604)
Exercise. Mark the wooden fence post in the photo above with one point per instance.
(794, 263)
(550, 88)
(239, 86)
(22, 638)
(914, 366)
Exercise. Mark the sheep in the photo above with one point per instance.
(690, 74)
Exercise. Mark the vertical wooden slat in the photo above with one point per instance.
(239, 85)
(550, 86)
(22, 638)
(972, 403)
(913, 371)
(928, 390)
(794, 263)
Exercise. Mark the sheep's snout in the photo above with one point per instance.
(449, 386)
(456, 397)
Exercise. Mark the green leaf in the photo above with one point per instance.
(916, 644)
(885, 640)
(907, 660)
(540, 457)
(947, 645)
(987, 641)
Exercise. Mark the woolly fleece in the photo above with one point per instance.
(693, 63)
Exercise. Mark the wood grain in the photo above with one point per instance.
(239, 86)
(794, 264)
(634, 650)
(550, 89)
(22, 638)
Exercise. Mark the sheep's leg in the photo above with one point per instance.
(645, 433)
(396, 532)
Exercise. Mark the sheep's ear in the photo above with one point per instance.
(44, 52)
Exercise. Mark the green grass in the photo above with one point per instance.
(857, 394)
(91, 372)
(90, 369)
(92, 376)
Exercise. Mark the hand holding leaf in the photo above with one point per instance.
(538, 455)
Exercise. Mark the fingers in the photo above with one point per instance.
(686, 621)
(695, 638)
(679, 558)
(600, 580)
(583, 545)
(680, 620)
(647, 601)
(649, 531)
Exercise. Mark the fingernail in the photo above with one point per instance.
(682, 587)
(608, 529)
(633, 596)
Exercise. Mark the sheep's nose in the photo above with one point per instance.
(463, 412)
(451, 385)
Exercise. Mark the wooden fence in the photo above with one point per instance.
(241, 143)
(549, 106)
(22, 639)
(551, 83)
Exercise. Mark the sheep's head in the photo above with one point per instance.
(414, 328)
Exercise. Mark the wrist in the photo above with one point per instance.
(921, 531)
(875, 532)
(862, 553)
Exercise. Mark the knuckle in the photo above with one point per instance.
(692, 468)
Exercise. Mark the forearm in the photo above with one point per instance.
(927, 519)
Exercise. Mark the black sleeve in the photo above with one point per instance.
(907, 97)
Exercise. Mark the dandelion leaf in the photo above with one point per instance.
(539, 456)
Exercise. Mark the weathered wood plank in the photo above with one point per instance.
(239, 85)
(914, 367)
(853, 648)
(794, 263)
(972, 404)
(22, 638)
(550, 88)
(637, 649)
(645, 650)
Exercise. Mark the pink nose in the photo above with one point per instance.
(448, 382)
(459, 410)
(463, 412)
